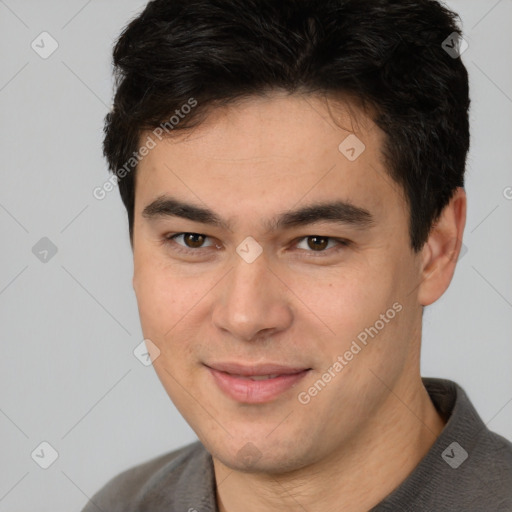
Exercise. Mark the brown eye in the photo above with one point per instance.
(193, 240)
(318, 243)
(188, 242)
(322, 244)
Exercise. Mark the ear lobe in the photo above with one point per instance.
(442, 249)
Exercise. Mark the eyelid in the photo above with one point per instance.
(169, 238)
(339, 241)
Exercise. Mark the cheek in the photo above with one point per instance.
(170, 305)
(157, 302)
(343, 303)
(161, 298)
(165, 308)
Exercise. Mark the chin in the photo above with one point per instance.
(260, 456)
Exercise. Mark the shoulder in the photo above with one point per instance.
(129, 489)
(472, 465)
(489, 478)
(469, 467)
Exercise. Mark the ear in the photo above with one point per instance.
(442, 249)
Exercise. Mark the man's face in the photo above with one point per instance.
(292, 295)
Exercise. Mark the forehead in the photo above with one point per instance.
(268, 153)
(278, 125)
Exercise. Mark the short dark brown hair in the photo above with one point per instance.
(387, 54)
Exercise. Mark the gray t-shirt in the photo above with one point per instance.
(469, 468)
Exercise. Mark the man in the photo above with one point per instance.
(293, 174)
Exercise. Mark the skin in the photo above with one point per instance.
(363, 434)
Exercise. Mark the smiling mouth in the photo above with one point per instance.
(255, 384)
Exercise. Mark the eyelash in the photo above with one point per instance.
(169, 241)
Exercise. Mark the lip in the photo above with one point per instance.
(256, 369)
(233, 380)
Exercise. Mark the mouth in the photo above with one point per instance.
(255, 384)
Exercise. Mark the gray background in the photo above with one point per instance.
(68, 375)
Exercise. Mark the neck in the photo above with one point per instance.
(356, 477)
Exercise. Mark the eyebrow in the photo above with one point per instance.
(340, 212)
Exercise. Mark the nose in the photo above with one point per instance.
(253, 302)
